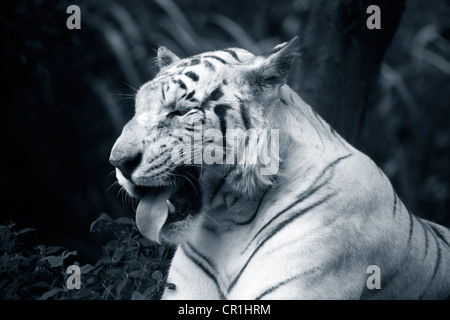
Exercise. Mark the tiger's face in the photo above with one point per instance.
(158, 157)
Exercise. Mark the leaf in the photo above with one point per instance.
(133, 264)
(50, 293)
(120, 286)
(118, 254)
(53, 249)
(103, 217)
(20, 257)
(87, 268)
(115, 271)
(5, 258)
(132, 248)
(136, 295)
(157, 275)
(148, 293)
(90, 281)
(104, 260)
(136, 273)
(40, 284)
(83, 293)
(112, 245)
(54, 261)
(26, 230)
(125, 220)
(71, 253)
(146, 243)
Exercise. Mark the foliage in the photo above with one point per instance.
(131, 267)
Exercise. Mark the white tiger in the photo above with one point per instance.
(308, 231)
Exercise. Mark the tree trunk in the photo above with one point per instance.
(341, 58)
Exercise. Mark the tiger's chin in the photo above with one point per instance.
(178, 232)
(167, 211)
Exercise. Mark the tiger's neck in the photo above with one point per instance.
(297, 121)
(306, 144)
(305, 138)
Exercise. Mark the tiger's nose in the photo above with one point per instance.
(126, 163)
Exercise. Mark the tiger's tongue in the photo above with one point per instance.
(151, 214)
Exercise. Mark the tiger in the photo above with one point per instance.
(310, 229)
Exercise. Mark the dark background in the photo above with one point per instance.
(67, 94)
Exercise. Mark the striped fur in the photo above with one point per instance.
(308, 232)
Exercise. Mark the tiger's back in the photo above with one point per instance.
(309, 229)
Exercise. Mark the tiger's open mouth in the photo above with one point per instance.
(160, 206)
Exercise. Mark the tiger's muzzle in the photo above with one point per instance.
(163, 200)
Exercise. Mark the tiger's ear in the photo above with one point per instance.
(275, 67)
(166, 57)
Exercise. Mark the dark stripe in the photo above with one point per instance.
(440, 235)
(292, 99)
(333, 132)
(162, 93)
(436, 267)
(182, 84)
(209, 65)
(215, 95)
(425, 229)
(277, 229)
(408, 247)
(318, 119)
(301, 197)
(284, 222)
(189, 96)
(282, 101)
(203, 267)
(219, 185)
(245, 116)
(171, 106)
(405, 258)
(254, 213)
(221, 111)
(210, 263)
(426, 242)
(184, 64)
(438, 260)
(208, 228)
(192, 75)
(411, 228)
(232, 53)
(217, 58)
(276, 286)
(194, 62)
(395, 204)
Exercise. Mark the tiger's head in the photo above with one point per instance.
(193, 102)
